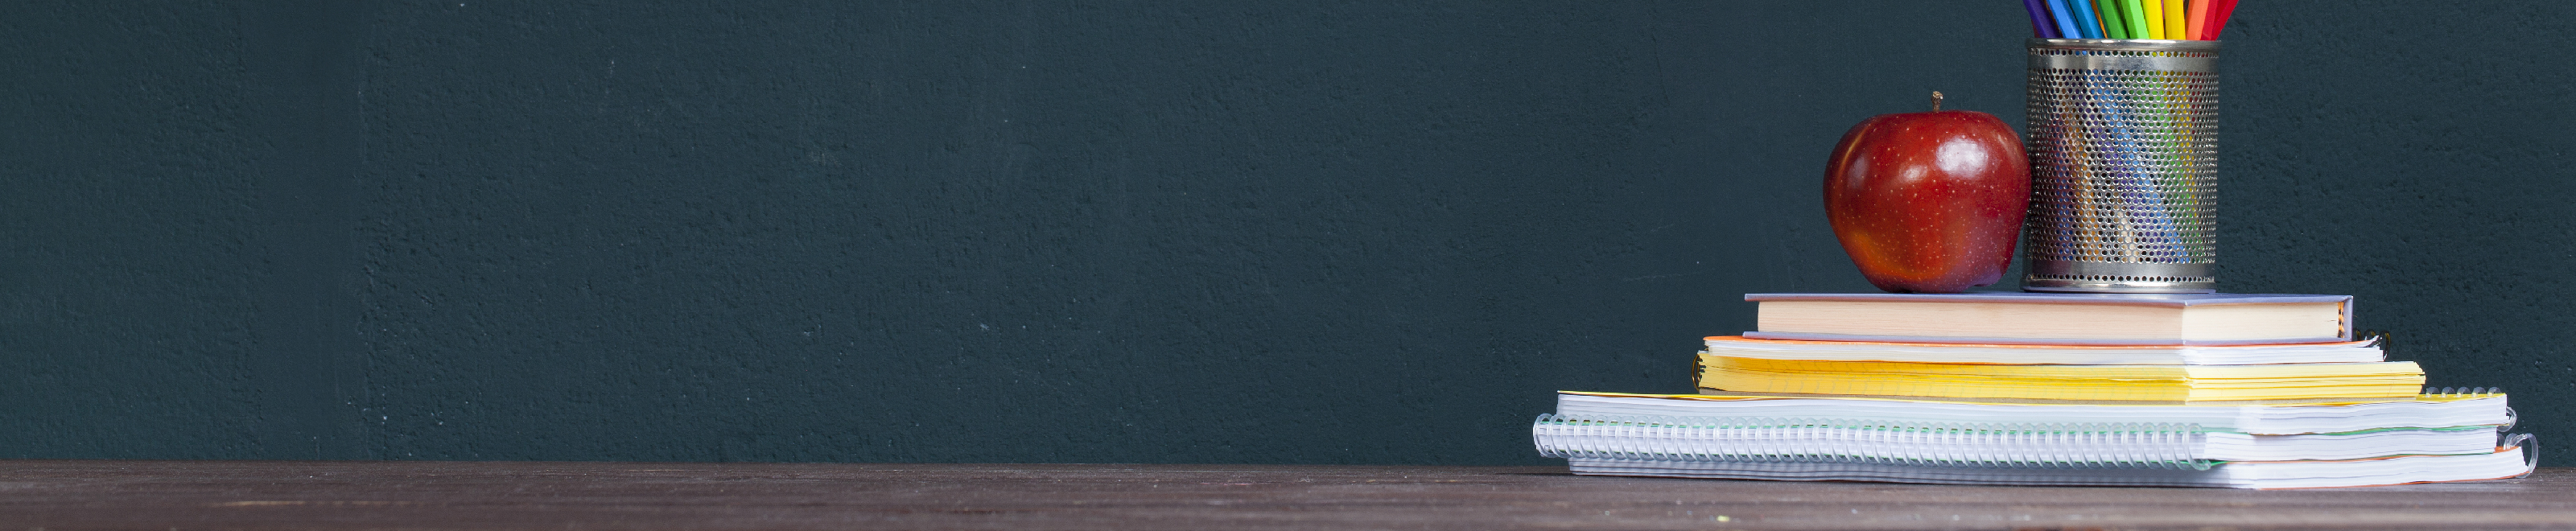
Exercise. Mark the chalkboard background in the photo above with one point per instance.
(1262, 232)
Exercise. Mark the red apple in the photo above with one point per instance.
(1928, 202)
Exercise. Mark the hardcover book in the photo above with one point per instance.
(1781, 349)
(2055, 318)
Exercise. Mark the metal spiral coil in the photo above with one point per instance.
(2451, 391)
(1805, 440)
(2530, 445)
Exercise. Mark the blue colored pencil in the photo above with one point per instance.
(2085, 19)
(2066, 28)
(2039, 23)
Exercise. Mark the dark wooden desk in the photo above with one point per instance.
(60, 495)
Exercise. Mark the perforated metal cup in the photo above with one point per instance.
(2123, 150)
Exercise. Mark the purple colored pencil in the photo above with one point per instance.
(2039, 21)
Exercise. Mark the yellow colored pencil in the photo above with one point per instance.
(2176, 21)
(2155, 18)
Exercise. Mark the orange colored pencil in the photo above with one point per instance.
(2198, 21)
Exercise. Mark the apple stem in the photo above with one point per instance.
(1936, 101)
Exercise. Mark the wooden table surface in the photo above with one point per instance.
(60, 495)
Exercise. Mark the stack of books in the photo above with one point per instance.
(2199, 390)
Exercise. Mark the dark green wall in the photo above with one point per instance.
(1275, 232)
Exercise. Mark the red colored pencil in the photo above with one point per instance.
(2218, 21)
(2198, 25)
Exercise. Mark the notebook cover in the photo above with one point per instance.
(1716, 395)
(2160, 383)
(1713, 341)
(1803, 336)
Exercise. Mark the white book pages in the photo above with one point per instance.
(2263, 419)
(2364, 445)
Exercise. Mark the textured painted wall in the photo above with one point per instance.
(1279, 232)
(130, 227)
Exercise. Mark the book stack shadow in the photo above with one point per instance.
(2183, 390)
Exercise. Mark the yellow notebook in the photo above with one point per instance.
(2157, 383)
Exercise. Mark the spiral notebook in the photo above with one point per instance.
(2435, 408)
(2432, 437)
(2503, 463)
(1990, 444)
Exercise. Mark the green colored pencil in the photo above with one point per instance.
(2114, 26)
(2136, 11)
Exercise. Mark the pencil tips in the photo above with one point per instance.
(2182, 20)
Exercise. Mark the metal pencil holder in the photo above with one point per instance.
(2124, 166)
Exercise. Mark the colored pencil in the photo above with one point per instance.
(2179, 20)
(2137, 16)
(2155, 18)
(2199, 21)
(2066, 28)
(2040, 26)
(2218, 20)
(2174, 21)
(2114, 26)
(2085, 19)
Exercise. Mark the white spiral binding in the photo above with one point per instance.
(1800, 440)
